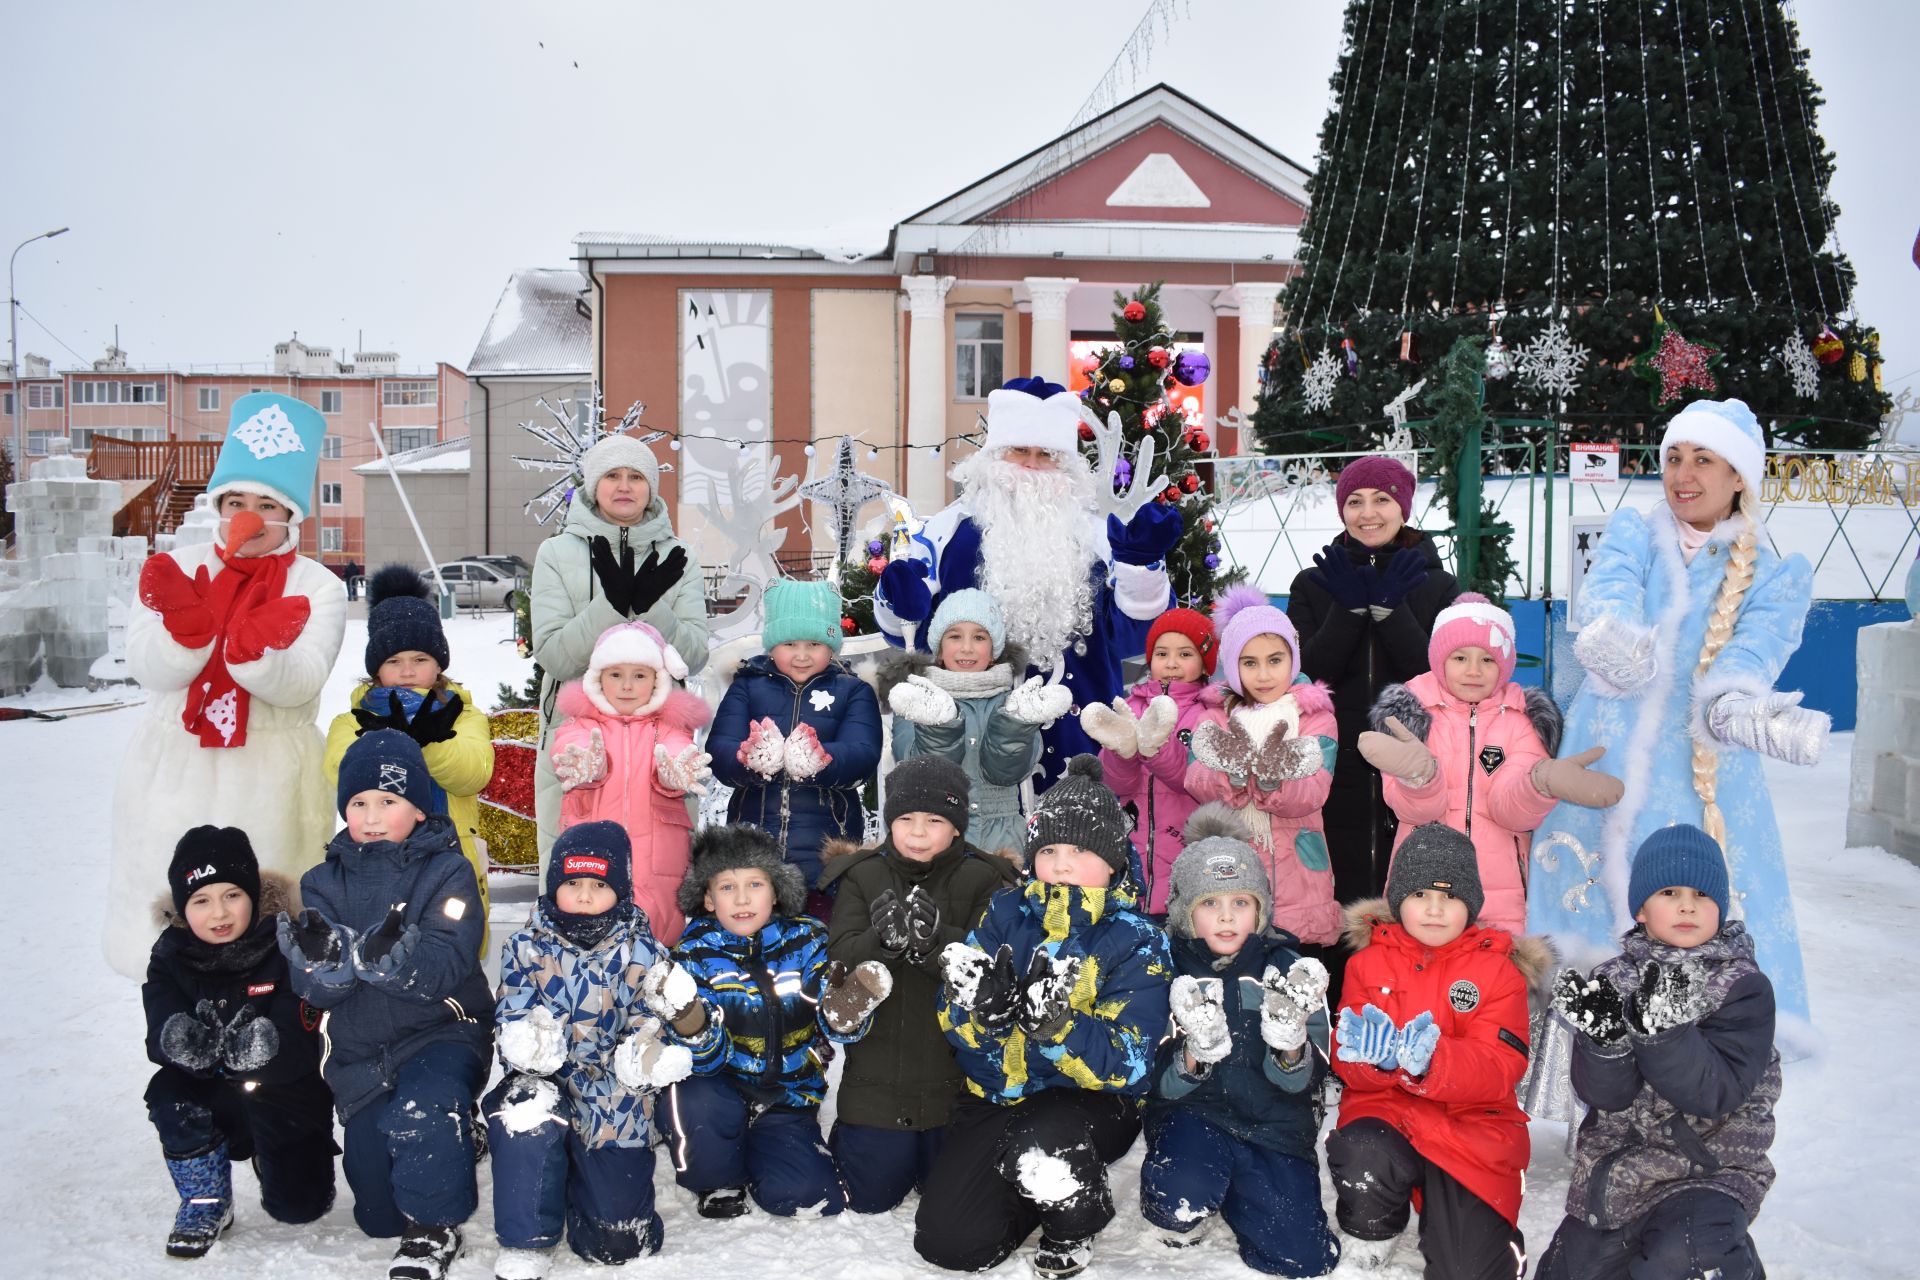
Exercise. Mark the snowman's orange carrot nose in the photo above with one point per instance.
(242, 527)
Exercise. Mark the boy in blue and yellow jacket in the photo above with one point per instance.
(1054, 1006)
(756, 999)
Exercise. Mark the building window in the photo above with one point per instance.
(330, 447)
(6, 403)
(979, 355)
(210, 435)
(332, 538)
(46, 395)
(117, 391)
(209, 399)
(401, 439)
(82, 439)
(37, 441)
(401, 394)
(330, 401)
(330, 495)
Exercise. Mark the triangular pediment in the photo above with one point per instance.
(1158, 182)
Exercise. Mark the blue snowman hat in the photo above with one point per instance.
(272, 449)
(1728, 428)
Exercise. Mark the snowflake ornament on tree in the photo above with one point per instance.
(577, 427)
(1316, 388)
(844, 491)
(1553, 361)
(1801, 366)
(1675, 366)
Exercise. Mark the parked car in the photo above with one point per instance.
(477, 584)
(512, 564)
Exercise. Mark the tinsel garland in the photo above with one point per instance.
(506, 802)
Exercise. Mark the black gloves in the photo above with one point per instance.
(1668, 996)
(632, 591)
(889, 919)
(1593, 1005)
(998, 998)
(1044, 1008)
(199, 1042)
(433, 724)
(370, 720)
(314, 937)
(923, 924)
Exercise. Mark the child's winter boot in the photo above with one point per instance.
(1191, 1236)
(726, 1202)
(205, 1184)
(425, 1252)
(1058, 1259)
(521, 1264)
(1359, 1257)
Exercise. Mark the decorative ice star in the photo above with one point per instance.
(821, 699)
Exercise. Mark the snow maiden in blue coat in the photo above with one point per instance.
(798, 734)
(389, 947)
(1078, 594)
(1686, 619)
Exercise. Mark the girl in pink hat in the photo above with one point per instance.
(1267, 752)
(1464, 745)
(626, 754)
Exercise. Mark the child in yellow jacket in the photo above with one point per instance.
(407, 689)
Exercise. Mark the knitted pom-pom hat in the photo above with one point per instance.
(1216, 859)
(1196, 627)
(1079, 810)
(402, 617)
(1472, 619)
(970, 604)
(1240, 615)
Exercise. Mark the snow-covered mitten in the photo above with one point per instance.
(1225, 748)
(805, 755)
(1369, 1036)
(1113, 727)
(1044, 1011)
(1774, 724)
(581, 764)
(962, 968)
(1398, 753)
(1418, 1039)
(1288, 999)
(1593, 1005)
(273, 624)
(1281, 760)
(249, 1042)
(384, 952)
(1619, 652)
(1668, 997)
(179, 600)
(1038, 701)
(996, 988)
(689, 771)
(191, 1041)
(1199, 1010)
(888, 916)
(923, 924)
(534, 1043)
(1571, 780)
(922, 701)
(645, 1060)
(853, 994)
(1157, 723)
(673, 996)
(317, 947)
(765, 750)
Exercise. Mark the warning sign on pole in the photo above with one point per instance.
(1595, 463)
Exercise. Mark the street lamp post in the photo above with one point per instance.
(13, 342)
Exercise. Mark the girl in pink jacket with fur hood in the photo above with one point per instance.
(626, 754)
(1268, 753)
(1465, 746)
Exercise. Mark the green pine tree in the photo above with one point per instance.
(1491, 164)
(1132, 379)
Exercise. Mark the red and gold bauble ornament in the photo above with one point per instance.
(1827, 348)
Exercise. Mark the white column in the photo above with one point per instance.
(1049, 297)
(927, 392)
(1257, 302)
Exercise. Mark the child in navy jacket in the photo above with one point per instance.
(389, 947)
(239, 1073)
(1231, 1123)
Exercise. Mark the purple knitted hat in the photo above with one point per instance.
(1240, 615)
(1377, 472)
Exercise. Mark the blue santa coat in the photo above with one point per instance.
(1582, 857)
(1092, 664)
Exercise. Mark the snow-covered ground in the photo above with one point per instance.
(89, 1196)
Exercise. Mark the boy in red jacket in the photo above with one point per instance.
(1432, 1040)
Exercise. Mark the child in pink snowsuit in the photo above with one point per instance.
(1267, 752)
(1143, 741)
(1463, 745)
(626, 754)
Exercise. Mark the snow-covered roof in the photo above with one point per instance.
(537, 326)
(446, 455)
(826, 245)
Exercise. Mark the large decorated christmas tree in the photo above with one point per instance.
(1138, 380)
(1629, 203)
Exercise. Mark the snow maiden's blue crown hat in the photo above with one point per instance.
(1728, 428)
(272, 449)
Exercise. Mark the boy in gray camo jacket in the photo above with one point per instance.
(1675, 1057)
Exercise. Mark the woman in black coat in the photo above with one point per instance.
(1365, 613)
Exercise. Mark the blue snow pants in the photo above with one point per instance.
(286, 1129)
(720, 1139)
(879, 1165)
(545, 1181)
(1195, 1169)
(410, 1150)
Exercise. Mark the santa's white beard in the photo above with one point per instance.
(1037, 548)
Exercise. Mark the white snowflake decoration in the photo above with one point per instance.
(844, 491)
(822, 699)
(1553, 361)
(1397, 407)
(578, 426)
(269, 433)
(1801, 367)
(1316, 387)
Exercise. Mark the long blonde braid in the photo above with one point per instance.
(1726, 609)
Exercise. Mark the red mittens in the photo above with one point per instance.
(275, 624)
(179, 600)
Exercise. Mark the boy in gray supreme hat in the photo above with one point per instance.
(1230, 1125)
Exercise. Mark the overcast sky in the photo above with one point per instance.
(235, 172)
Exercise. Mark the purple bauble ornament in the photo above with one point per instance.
(875, 546)
(1213, 562)
(1126, 362)
(1190, 368)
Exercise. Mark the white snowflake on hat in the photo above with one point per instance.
(269, 433)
